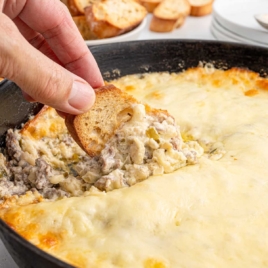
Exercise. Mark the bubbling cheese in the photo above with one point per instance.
(212, 214)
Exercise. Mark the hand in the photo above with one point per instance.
(42, 51)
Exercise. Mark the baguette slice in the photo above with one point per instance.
(94, 128)
(72, 9)
(110, 18)
(165, 25)
(76, 7)
(83, 28)
(169, 15)
(201, 7)
(150, 5)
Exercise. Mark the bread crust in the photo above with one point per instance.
(169, 15)
(77, 7)
(111, 109)
(92, 129)
(74, 8)
(165, 25)
(201, 10)
(150, 5)
(104, 24)
(100, 28)
(47, 123)
(83, 28)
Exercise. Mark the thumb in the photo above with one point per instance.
(40, 78)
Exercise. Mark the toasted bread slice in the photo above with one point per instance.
(150, 5)
(201, 7)
(169, 15)
(64, 2)
(94, 128)
(110, 18)
(83, 28)
(77, 7)
(165, 25)
(72, 9)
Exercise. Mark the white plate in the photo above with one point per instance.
(220, 36)
(238, 17)
(132, 35)
(218, 30)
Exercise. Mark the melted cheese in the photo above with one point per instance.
(43, 135)
(213, 214)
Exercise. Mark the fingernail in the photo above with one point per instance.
(82, 96)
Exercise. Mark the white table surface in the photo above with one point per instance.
(193, 28)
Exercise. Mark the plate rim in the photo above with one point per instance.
(233, 36)
(119, 38)
(219, 7)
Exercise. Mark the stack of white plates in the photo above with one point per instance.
(233, 20)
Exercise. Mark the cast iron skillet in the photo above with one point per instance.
(116, 60)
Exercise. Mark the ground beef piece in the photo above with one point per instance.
(8, 188)
(20, 175)
(121, 143)
(54, 193)
(12, 145)
(27, 177)
(67, 139)
(88, 165)
(4, 171)
(114, 180)
(109, 160)
(42, 173)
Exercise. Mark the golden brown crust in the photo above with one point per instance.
(73, 8)
(101, 21)
(169, 15)
(47, 123)
(105, 24)
(83, 28)
(94, 128)
(172, 9)
(150, 5)
(26, 199)
(102, 29)
(165, 25)
(201, 10)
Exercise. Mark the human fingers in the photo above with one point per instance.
(60, 32)
(41, 78)
(35, 39)
(27, 97)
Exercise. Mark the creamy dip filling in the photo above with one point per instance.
(211, 214)
(143, 146)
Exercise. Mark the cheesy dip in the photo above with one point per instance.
(51, 163)
(209, 213)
